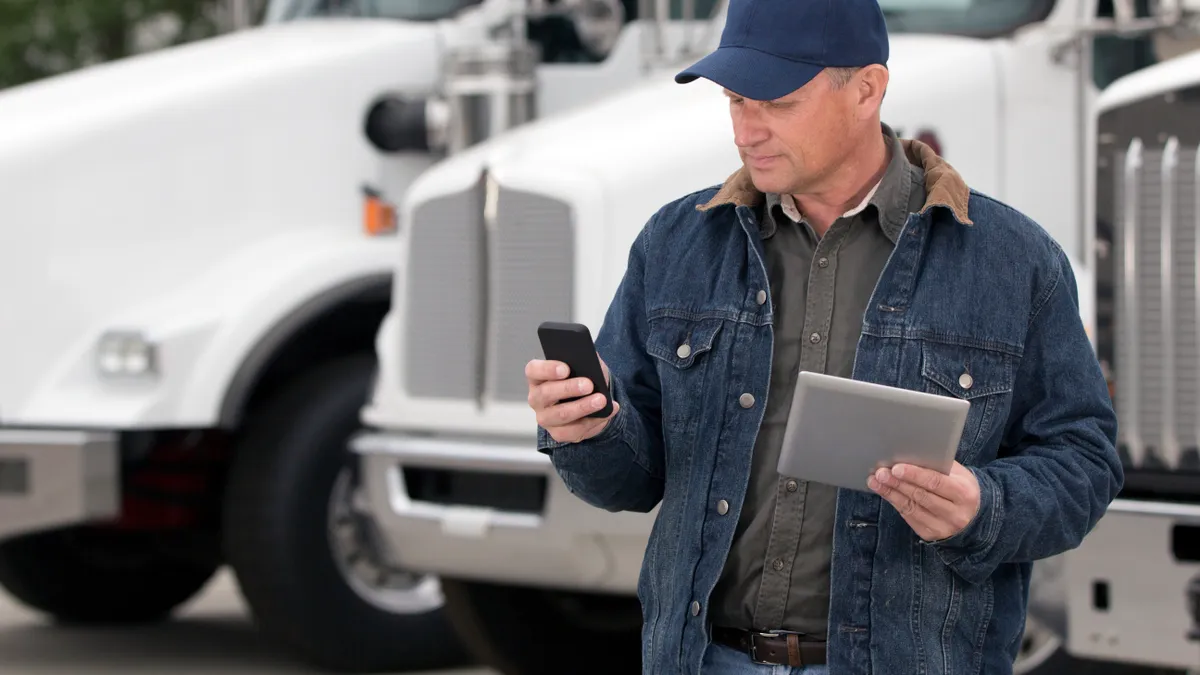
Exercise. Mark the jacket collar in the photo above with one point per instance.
(943, 185)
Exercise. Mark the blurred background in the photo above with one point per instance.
(270, 271)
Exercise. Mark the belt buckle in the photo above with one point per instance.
(768, 634)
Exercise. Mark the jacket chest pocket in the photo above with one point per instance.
(682, 348)
(983, 377)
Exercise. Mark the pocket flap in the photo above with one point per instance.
(967, 372)
(680, 341)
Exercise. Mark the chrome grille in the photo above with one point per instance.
(1157, 352)
(532, 262)
(444, 297)
(486, 267)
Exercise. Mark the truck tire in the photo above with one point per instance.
(530, 631)
(85, 575)
(287, 523)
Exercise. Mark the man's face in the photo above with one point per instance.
(790, 145)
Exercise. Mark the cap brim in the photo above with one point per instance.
(750, 73)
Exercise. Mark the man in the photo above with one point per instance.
(836, 248)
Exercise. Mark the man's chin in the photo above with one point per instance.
(766, 182)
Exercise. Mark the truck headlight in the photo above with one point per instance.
(126, 354)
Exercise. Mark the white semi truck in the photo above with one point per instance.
(536, 225)
(196, 251)
(1132, 589)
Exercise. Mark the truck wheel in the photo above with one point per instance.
(306, 561)
(91, 575)
(529, 631)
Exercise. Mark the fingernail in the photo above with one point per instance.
(898, 472)
(871, 483)
(598, 402)
(562, 371)
(881, 475)
(583, 386)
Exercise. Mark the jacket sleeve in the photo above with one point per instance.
(623, 467)
(1059, 469)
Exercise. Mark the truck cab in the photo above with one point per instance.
(536, 225)
(196, 252)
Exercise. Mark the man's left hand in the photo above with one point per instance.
(936, 505)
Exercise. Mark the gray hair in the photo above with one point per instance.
(840, 77)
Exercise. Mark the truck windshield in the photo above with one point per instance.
(978, 18)
(406, 10)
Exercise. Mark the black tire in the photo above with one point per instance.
(85, 575)
(528, 631)
(276, 528)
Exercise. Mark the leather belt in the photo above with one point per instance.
(780, 648)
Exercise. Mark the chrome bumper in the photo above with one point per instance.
(51, 479)
(563, 543)
(1127, 585)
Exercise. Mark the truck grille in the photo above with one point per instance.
(486, 266)
(1157, 354)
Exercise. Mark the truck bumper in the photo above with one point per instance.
(52, 479)
(1127, 585)
(494, 511)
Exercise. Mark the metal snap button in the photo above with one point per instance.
(695, 608)
(746, 400)
(761, 297)
(965, 380)
(684, 351)
(722, 507)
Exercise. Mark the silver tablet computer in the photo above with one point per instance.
(840, 431)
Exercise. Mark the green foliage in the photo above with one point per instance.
(45, 37)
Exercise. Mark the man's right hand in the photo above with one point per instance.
(566, 422)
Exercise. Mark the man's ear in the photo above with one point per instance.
(872, 82)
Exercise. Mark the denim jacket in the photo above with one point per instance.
(973, 286)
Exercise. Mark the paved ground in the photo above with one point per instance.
(212, 635)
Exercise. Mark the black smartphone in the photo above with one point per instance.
(572, 344)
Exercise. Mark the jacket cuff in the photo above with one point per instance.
(614, 430)
(967, 551)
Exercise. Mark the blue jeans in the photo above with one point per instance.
(722, 660)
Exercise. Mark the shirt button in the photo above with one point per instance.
(777, 564)
(814, 338)
(965, 380)
(722, 507)
(761, 297)
(823, 263)
(747, 400)
(695, 608)
(792, 486)
(684, 351)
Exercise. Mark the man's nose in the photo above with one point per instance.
(748, 129)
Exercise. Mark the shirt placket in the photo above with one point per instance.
(788, 518)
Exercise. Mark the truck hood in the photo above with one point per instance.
(125, 182)
(59, 110)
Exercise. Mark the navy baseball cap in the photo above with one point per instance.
(770, 48)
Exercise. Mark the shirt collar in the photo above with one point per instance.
(889, 196)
